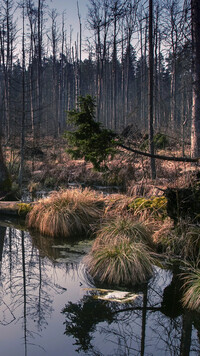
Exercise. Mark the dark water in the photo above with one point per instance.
(48, 306)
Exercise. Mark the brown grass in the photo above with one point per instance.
(121, 262)
(121, 228)
(121, 253)
(67, 213)
(117, 204)
(191, 298)
(181, 240)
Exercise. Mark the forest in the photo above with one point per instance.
(44, 70)
(99, 177)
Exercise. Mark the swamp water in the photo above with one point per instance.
(49, 307)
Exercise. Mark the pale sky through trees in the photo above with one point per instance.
(70, 7)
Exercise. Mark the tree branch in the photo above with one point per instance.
(166, 158)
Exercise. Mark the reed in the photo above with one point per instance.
(67, 212)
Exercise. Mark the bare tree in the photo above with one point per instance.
(195, 133)
(7, 36)
(80, 47)
(150, 91)
(21, 170)
(54, 44)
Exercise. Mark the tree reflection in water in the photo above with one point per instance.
(25, 284)
(82, 319)
(155, 324)
(142, 328)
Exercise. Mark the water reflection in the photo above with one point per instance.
(46, 307)
(28, 287)
(142, 328)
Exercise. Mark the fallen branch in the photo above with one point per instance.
(166, 158)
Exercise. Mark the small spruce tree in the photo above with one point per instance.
(89, 139)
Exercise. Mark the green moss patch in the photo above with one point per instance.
(24, 209)
(157, 206)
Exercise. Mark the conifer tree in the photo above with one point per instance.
(89, 140)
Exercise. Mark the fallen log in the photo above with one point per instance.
(15, 208)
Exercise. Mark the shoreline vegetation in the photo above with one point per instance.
(131, 235)
(135, 223)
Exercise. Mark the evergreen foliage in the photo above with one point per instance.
(89, 140)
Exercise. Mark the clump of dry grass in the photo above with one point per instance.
(121, 228)
(121, 253)
(191, 298)
(182, 240)
(117, 204)
(140, 207)
(121, 262)
(66, 212)
(161, 232)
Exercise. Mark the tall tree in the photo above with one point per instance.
(54, 44)
(23, 100)
(195, 132)
(150, 91)
(7, 35)
(80, 48)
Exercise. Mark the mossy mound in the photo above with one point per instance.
(155, 206)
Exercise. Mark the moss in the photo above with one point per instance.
(160, 141)
(155, 205)
(50, 182)
(24, 209)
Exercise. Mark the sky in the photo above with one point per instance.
(70, 7)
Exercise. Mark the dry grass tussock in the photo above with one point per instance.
(161, 230)
(117, 204)
(122, 228)
(150, 212)
(121, 263)
(67, 213)
(182, 240)
(121, 253)
(191, 298)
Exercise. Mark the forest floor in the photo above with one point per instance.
(48, 166)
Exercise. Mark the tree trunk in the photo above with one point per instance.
(5, 183)
(195, 130)
(21, 169)
(150, 92)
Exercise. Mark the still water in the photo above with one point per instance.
(49, 307)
